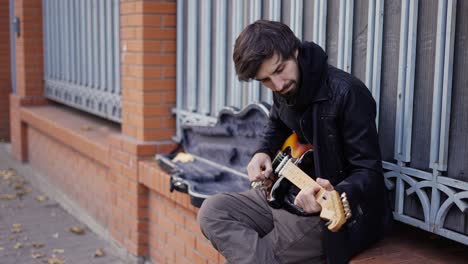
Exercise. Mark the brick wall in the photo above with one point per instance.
(5, 75)
(82, 179)
(174, 234)
(148, 44)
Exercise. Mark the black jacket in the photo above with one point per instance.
(335, 112)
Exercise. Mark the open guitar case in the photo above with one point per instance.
(218, 155)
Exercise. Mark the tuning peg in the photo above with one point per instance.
(348, 215)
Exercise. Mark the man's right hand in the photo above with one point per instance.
(259, 167)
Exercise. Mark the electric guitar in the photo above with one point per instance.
(335, 208)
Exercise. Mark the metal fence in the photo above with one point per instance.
(82, 55)
(411, 54)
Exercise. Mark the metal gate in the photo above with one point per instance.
(82, 55)
(412, 55)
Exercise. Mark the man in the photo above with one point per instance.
(327, 108)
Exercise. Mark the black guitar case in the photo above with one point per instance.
(219, 154)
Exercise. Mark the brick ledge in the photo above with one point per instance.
(85, 134)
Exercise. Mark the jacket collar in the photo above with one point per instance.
(312, 62)
(313, 66)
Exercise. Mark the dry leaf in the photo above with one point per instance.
(77, 230)
(2, 248)
(8, 196)
(38, 245)
(86, 128)
(7, 174)
(55, 260)
(18, 245)
(37, 255)
(58, 251)
(41, 198)
(99, 253)
(16, 229)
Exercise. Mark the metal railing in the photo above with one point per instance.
(82, 55)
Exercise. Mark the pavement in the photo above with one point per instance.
(35, 228)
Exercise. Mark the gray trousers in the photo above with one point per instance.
(245, 229)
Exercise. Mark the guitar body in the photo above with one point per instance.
(281, 187)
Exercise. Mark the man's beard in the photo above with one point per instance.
(290, 95)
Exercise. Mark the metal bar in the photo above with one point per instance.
(95, 43)
(438, 86)
(72, 48)
(204, 62)
(191, 87)
(370, 43)
(117, 82)
(341, 35)
(296, 17)
(220, 72)
(236, 86)
(179, 66)
(345, 43)
(66, 35)
(61, 68)
(82, 45)
(348, 48)
(89, 42)
(253, 88)
(376, 74)
(322, 35)
(274, 10)
(110, 46)
(102, 45)
(315, 33)
(45, 22)
(12, 46)
(447, 84)
(401, 81)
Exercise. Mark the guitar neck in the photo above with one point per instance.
(295, 175)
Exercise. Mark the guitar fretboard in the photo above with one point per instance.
(299, 178)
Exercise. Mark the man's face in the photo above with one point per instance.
(281, 76)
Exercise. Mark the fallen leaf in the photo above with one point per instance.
(7, 174)
(55, 260)
(99, 253)
(41, 198)
(77, 230)
(58, 251)
(18, 245)
(86, 128)
(8, 196)
(2, 248)
(16, 229)
(38, 245)
(37, 255)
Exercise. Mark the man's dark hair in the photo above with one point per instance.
(260, 41)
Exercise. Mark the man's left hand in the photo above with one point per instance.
(305, 199)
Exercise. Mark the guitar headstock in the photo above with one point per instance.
(335, 209)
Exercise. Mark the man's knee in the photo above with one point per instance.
(212, 210)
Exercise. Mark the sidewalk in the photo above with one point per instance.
(34, 228)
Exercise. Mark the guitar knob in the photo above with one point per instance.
(348, 215)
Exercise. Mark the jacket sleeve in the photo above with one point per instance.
(275, 133)
(363, 182)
